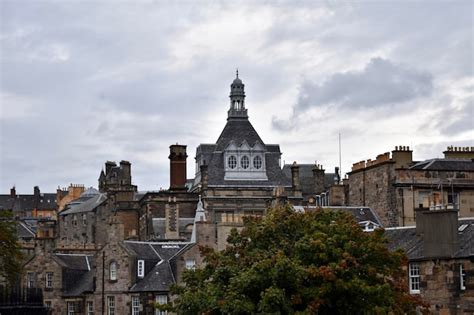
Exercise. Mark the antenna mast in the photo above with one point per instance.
(340, 166)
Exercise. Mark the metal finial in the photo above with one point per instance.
(237, 72)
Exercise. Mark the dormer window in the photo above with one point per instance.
(232, 162)
(141, 268)
(257, 162)
(113, 271)
(245, 162)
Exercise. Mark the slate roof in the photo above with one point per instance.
(162, 274)
(84, 204)
(361, 214)
(23, 231)
(237, 130)
(445, 165)
(46, 201)
(78, 274)
(406, 238)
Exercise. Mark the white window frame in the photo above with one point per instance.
(48, 304)
(234, 159)
(49, 280)
(90, 307)
(414, 277)
(84, 219)
(161, 299)
(141, 268)
(111, 305)
(113, 270)
(190, 264)
(135, 305)
(30, 280)
(245, 162)
(71, 308)
(74, 220)
(462, 277)
(257, 161)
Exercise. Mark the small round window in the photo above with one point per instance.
(245, 162)
(232, 161)
(257, 162)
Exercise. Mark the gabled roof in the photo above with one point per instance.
(78, 274)
(23, 231)
(407, 239)
(161, 276)
(46, 201)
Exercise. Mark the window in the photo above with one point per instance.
(30, 280)
(245, 162)
(414, 277)
(71, 308)
(84, 219)
(49, 280)
(190, 264)
(257, 162)
(141, 268)
(161, 299)
(462, 277)
(232, 162)
(113, 271)
(47, 304)
(90, 308)
(135, 305)
(110, 305)
(74, 220)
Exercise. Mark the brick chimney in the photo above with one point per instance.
(36, 191)
(439, 231)
(178, 166)
(108, 166)
(295, 176)
(13, 192)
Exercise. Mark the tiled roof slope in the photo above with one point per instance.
(445, 165)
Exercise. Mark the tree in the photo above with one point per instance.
(318, 262)
(10, 253)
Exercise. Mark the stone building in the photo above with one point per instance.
(169, 214)
(440, 259)
(66, 195)
(241, 175)
(395, 186)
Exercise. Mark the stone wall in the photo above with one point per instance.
(440, 286)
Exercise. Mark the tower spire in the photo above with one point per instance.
(237, 99)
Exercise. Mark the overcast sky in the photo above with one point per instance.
(83, 82)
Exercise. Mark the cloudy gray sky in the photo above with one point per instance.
(83, 82)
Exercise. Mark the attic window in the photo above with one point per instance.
(141, 268)
(232, 162)
(190, 264)
(245, 162)
(257, 162)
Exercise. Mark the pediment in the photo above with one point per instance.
(231, 146)
(244, 146)
(258, 146)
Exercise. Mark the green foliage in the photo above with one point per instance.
(298, 263)
(10, 254)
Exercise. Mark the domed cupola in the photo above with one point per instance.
(237, 99)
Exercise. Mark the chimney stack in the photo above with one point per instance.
(126, 172)
(178, 166)
(13, 192)
(36, 191)
(439, 231)
(108, 166)
(318, 179)
(295, 176)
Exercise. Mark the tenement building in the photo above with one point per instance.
(396, 187)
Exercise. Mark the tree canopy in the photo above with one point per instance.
(10, 254)
(318, 262)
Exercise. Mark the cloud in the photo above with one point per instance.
(379, 84)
